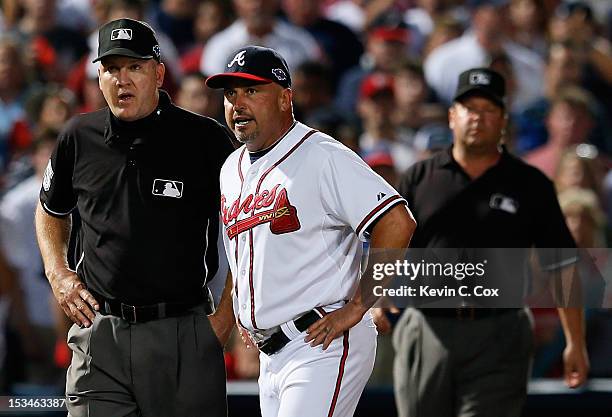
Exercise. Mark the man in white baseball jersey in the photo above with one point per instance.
(296, 205)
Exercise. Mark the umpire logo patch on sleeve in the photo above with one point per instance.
(47, 177)
(168, 188)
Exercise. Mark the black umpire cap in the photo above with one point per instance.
(483, 82)
(255, 63)
(128, 37)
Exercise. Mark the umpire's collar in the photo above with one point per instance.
(444, 158)
(117, 132)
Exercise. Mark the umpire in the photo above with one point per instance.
(475, 361)
(143, 175)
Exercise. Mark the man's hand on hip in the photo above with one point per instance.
(334, 324)
(78, 303)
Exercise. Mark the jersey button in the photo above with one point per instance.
(243, 272)
(244, 306)
(243, 238)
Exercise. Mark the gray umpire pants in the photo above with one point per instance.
(163, 368)
(446, 367)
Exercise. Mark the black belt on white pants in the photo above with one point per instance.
(279, 339)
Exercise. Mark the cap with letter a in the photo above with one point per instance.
(128, 37)
(255, 63)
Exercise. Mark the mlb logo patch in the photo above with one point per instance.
(480, 78)
(168, 188)
(504, 203)
(121, 34)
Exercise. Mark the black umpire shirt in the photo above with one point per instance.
(148, 195)
(511, 205)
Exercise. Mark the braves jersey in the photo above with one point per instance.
(293, 224)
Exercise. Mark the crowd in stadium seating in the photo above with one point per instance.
(377, 75)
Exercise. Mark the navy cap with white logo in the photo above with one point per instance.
(484, 82)
(255, 63)
(128, 37)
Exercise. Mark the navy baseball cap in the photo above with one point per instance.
(484, 82)
(390, 27)
(128, 37)
(255, 63)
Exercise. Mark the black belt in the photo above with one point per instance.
(278, 340)
(140, 314)
(466, 313)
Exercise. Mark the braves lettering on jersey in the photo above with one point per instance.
(293, 225)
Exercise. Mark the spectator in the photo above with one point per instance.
(474, 49)
(424, 17)
(574, 26)
(212, 16)
(53, 47)
(569, 122)
(376, 104)
(313, 92)
(386, 47)
(562, 70)
(584, 216)
(341, 46)
(382, 163)
(51, 108)
(528, 20)
(46, 109)
(360, 14)
(175, 18)
(7, 282)
(416, 103)
(580, 167)
(92, 96)
(12, 96)
(334, 123)
(445, 30)
(431, 139)
(350, 13)
(76, 14)
(501, 63)
(195, 96)
(257, 24)
(21, 251)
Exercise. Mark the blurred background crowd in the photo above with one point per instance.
(377, 75)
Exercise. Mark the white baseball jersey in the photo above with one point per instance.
(293, 221)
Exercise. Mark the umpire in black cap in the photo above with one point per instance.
(473, 358)
(143, 174)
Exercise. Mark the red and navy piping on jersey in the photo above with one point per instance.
(387, 204)
(250, 230)
(345, 351)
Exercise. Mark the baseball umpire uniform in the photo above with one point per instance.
(294, 216)
(147, 192)
(472, 361)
